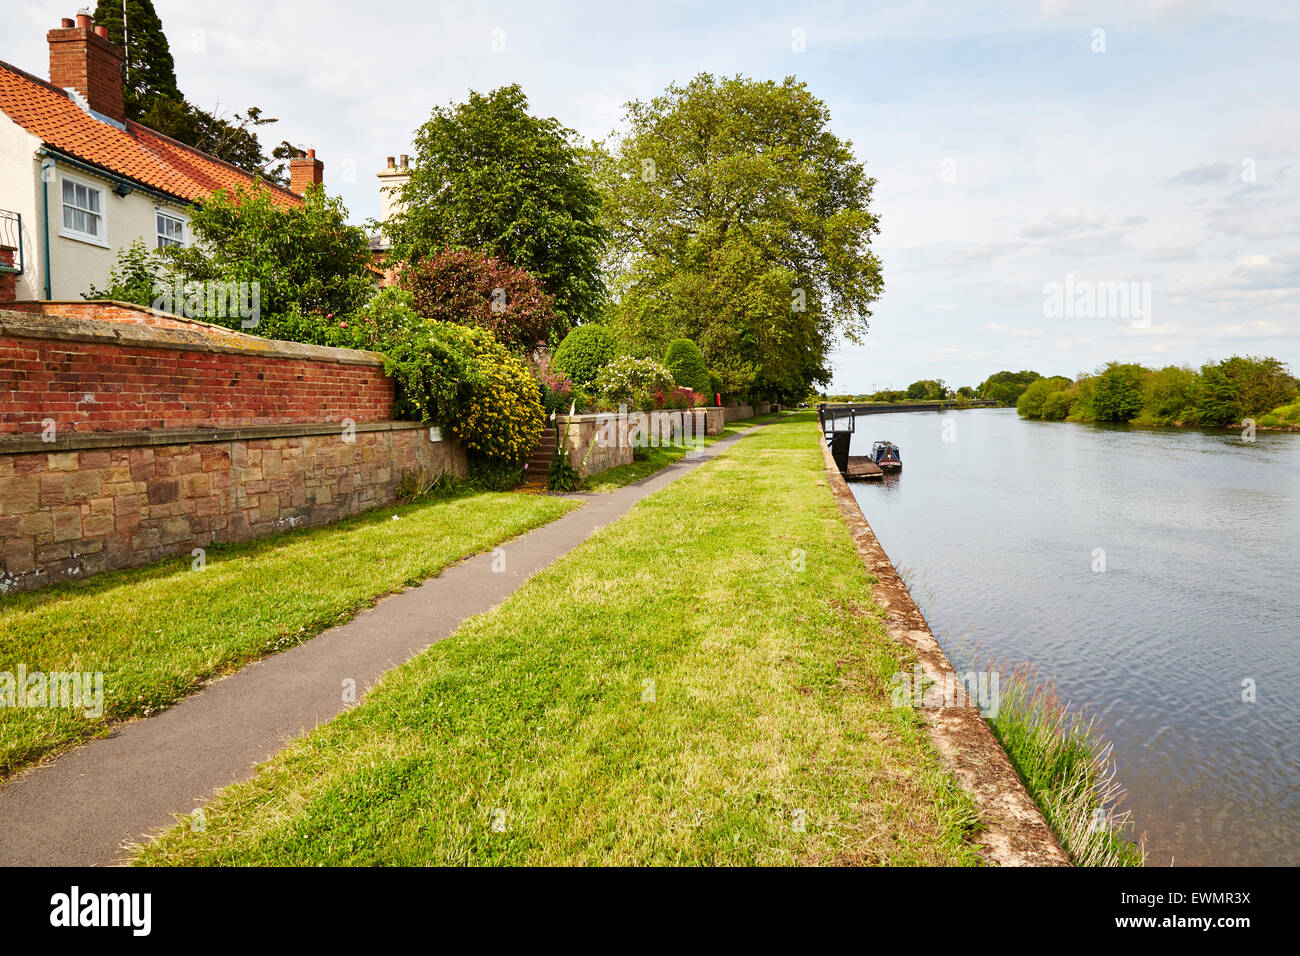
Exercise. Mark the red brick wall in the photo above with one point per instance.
(87, 386)
(8, 281)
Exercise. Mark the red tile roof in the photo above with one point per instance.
(138, 154)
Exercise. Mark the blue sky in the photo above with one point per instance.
(1009, 151)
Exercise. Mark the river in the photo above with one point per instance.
(1153, 573)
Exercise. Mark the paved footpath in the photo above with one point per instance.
(80, 808)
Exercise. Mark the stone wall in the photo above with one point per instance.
(733, 413)
(78, 511)
(601, 441)
(715, 419)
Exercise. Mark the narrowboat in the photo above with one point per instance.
(886, 455)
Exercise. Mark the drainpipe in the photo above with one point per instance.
(47, 173)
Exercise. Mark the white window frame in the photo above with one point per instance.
(185, 228)
(68, 232)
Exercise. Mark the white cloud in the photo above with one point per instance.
(1062, 222)
(1258, 329)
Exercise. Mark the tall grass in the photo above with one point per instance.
(1068, 769)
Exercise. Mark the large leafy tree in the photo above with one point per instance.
(490, 176)
(739, 220)
(154, 99)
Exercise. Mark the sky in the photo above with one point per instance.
(1059, 184)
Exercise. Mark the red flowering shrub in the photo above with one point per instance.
(470, 288)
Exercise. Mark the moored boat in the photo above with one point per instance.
(886, 455)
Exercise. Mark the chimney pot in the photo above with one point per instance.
(406, 160)
(84, 21)
(68, 23)
(101, 30)
(392, 162)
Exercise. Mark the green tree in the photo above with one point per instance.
(1218, 400)
(740, 221)
(1006, 387)
(1117, 392)
(490, 176)
(1169, 395)
(310, 266)
(1263, 383)
(148, 72)
(1058, 404)
(928, 389)
(685, 360)
(1031, 400)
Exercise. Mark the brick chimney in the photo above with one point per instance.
(305, 171)
(82, 58)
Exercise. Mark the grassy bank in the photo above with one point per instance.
(157, 633)
(651, 460)
(704, 681)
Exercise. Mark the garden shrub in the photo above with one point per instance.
(556, 388)
(584, 352)
(389, 315)
(470, 288)
(686, 363)
(500, 418)
(471, 384)
(634, 382)
(491, 475)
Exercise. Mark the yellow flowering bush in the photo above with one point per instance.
(501, 418)
(461, 378)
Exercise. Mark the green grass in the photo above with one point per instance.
(1067, 768)
(158, 632)
(533, 735)
(651, 460)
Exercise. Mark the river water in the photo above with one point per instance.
(1154, 574)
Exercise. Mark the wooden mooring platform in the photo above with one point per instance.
(837, 426)
(862, 468)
